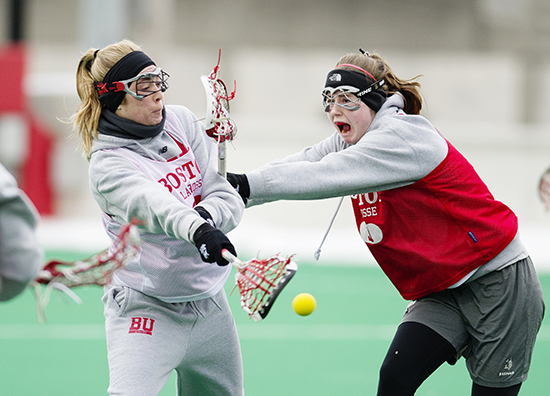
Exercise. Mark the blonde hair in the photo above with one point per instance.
(93, 66)
(375, 65)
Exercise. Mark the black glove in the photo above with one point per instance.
(205, 215)
(240, 183)
(210, 242)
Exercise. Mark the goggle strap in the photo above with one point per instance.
(104, 88)
(119, 86)
(373, 87)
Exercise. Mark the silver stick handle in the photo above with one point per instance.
(221, 160)
(226, 254)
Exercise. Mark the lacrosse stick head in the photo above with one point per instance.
(97, 269)
(544, 188)
(261, 281)
(218, 123)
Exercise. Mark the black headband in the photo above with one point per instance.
(372, 94)
(127, 67)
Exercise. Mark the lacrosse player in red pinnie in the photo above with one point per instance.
(430, 222)
(166, 309)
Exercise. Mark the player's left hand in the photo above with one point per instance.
(240, 183)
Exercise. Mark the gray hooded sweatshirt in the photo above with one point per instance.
(159, 180)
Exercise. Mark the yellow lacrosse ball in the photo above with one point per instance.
(304, 304)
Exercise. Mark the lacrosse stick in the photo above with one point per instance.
(95, 270)
(544, 189)
(260, 282)
(218, 123)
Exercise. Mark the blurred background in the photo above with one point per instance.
(485, 67)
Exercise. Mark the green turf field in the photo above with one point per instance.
(336, 350)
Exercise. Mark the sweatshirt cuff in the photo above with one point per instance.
(194, 225)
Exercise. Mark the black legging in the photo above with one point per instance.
(415, 353)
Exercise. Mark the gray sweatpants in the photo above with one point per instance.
(147, 339)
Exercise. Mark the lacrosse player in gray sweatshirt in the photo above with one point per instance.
(167, 309)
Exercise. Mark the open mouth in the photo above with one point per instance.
(343, 127)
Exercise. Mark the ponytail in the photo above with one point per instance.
(86, 118)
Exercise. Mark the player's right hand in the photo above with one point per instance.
(240, 183)
(210, 241)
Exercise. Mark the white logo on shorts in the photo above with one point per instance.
(507, 368)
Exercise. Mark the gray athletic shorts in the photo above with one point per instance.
(147, 339)
(492, 321)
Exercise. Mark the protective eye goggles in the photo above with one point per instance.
(147, 84)
(345, 98)
(356, 83)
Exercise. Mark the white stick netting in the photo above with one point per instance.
(218, 123)
(258, 280)
(95, 270)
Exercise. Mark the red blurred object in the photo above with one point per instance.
(12, 71)
(35, 172)
(34, 177)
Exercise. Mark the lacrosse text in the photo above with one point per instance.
(191, 188)
(369, 212)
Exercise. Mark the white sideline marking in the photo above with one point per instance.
(52, 332)
(88, 236)
(254, 331)
(324, 332)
